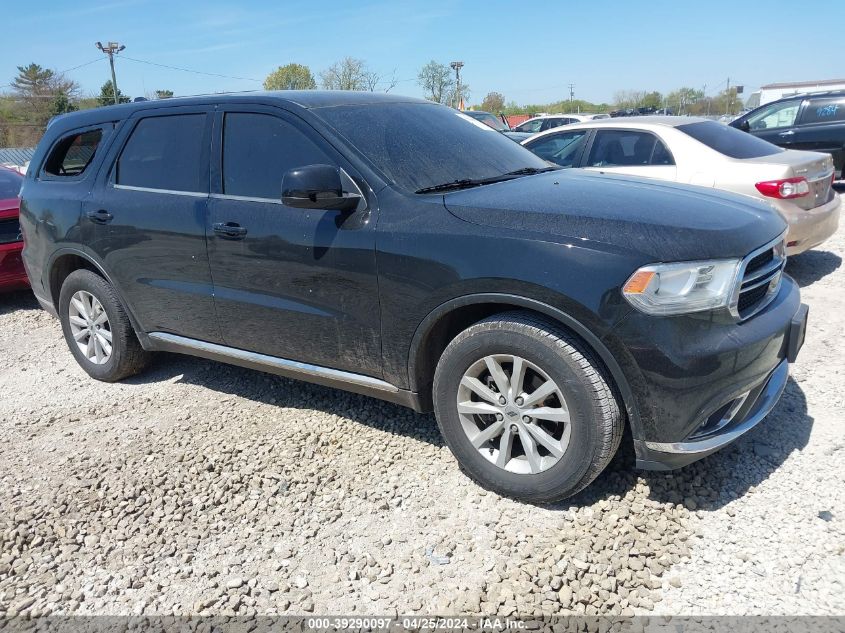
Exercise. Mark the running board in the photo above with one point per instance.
(165, 342)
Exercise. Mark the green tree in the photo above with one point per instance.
(37, 94)
(494, 102)
(682, 99)
(61, 104)
(290, 77)
(163, 94)
(437, 82)
(107, 95)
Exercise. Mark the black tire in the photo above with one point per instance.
(127, 356)
(596, 422)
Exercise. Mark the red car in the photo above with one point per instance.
(12, 274)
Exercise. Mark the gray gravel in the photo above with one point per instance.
(204, 488)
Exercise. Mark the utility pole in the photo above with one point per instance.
(571, 95)
(728, 97)
(111, 49)
(456, 66)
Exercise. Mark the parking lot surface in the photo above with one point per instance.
(203, 488)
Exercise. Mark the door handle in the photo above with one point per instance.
(100, 216)
(231, 230)
(787, 133)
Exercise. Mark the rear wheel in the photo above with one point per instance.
(525, 408)
(97, 328)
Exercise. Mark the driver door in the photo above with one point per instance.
(298, 284)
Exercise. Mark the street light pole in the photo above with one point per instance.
(111, 49)
(456, 66)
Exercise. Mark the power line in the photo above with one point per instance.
(62, 72)
(188, 70)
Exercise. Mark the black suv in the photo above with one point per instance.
(395, 248)
(813, 121)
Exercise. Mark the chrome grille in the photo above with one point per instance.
(760, 278)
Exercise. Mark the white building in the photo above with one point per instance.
(773, 92)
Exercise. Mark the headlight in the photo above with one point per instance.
(680, 288)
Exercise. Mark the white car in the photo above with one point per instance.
(544, 122)
(706, 153)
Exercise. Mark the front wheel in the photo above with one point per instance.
(525, 408)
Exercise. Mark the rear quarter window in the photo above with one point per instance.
(74, 152)
(728, 140)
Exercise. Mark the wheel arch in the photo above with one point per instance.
(455, 315)
(63, 262)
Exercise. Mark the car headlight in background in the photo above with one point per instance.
(681, 288)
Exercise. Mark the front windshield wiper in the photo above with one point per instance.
(466, 183)
(528, 171)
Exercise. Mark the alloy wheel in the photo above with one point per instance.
(514, 414)
(90, 328)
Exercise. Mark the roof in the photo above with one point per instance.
(803, 84)
(16, 155)
(303, 98)
(666, 121)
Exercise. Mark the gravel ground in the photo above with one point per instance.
(204, 488)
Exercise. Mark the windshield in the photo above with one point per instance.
(728, 140)
(10, 184)
(421, 145)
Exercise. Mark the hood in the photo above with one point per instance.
(662, 221)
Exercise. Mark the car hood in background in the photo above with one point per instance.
(9, 205)
(517, 136)
(662, 221)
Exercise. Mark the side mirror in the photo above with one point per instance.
(317, 187)
(745, 126)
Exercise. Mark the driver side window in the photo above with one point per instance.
(257, 151)
(775, 116)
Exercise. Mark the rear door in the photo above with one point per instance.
(821, 128)
(298, 284)
(146, 220)
(634, 152)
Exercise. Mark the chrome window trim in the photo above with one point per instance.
(296, 367)
(191, 194)
(777, 278)
(227, 196)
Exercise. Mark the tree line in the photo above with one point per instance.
(36, 94)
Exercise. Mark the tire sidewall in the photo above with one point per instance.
(97, 286)
(562, 478)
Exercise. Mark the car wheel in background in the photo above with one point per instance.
(97, 328)
(525, 408)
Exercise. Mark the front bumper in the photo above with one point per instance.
(671, 455)
(699, 382)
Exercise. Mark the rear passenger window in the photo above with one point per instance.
(73, 153)
(257, 151)
(824, 111)
(622, 148)
(165, 152)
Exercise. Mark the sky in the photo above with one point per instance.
(529, 52)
